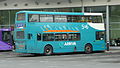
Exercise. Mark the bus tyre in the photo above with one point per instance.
(88, 49)
(48, 50)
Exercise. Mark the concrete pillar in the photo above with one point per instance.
(82, 4)
(107, 24)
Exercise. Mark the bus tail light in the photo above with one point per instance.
(21, 45)
(107, 45)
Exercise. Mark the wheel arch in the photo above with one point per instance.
(89, 44)
(49, 45)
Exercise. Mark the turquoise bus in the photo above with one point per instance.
(59, 32)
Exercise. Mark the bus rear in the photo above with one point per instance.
(19, 36)
(6, 39)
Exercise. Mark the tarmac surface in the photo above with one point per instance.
(108, 59)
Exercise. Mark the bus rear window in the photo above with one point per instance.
(6, 36)
(20, 34)
(21, 16)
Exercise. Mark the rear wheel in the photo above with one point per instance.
(48, 50)
(88, 49)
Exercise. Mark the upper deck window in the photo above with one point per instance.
(46, 18)
(65, 18)
(81, 19)
(60, 18)
(21, 16)
(96, 19)
(33, 17)
(73, 18)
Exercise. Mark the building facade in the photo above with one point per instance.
(110, 9)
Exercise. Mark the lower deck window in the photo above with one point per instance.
(59, 37)
(74, 36)
(38, 36)
(100, 35)
(48, 37)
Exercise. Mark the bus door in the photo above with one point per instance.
(100, 40)
(31, 42)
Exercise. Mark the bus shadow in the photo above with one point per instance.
(29, 55)
(77, 53)
(58, 54)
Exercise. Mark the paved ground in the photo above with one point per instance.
(110, 59)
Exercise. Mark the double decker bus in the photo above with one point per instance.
(59, 32)
(6, 39)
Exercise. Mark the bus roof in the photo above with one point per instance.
(63, 13)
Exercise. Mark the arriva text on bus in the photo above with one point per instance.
(70, 43)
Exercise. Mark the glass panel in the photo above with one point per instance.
(20, 34)
(115, 34)
(100, 35)
(61, 37)
(38, 36)
(12, 16)
(114, 22)
(97, 19)
(46, 18)
(78, 18)
(21, 16)
(33, 18)
(97, 9)
(6, 36)
(74, 18)
(114, 25)
(4, 19)
(29, 36)
(48, 37)
(74, 36)
(60, 18)
(115, 13)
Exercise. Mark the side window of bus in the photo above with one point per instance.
(38, 37)
(85, 19)
(46, 18)
(29, 36)
(88, 19)
(60, 18)
(61, 37)
(74, 36)
(96, 19)
(48, 37)
(100, 35)
(33, 17)
(73, 18)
